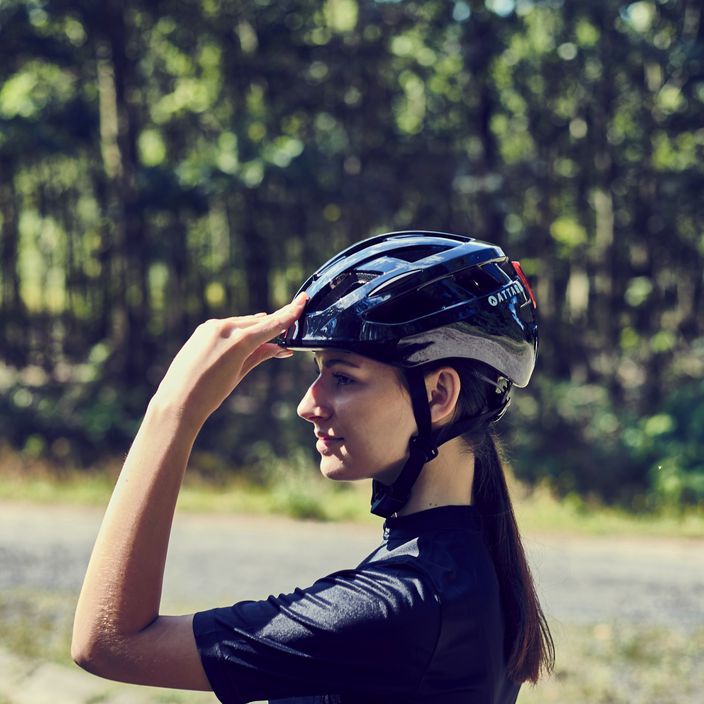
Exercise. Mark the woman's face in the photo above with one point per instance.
(362, 416)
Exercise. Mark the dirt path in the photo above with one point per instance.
(216, 560)
(219, 559)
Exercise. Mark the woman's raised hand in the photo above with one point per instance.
(217, 356)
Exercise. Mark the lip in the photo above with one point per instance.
(326, 444)
(327, 438)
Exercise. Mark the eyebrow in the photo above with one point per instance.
(327, 363)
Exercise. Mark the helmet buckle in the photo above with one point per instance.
(384, 501)
(424, 447)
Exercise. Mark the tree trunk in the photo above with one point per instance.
(119, 129)
(13, 323)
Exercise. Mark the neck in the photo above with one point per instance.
(444, 481)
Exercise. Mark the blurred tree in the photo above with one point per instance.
(166, 162)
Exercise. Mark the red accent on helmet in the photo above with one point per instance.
(524, 280)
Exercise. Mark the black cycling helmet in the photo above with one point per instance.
(415, 297)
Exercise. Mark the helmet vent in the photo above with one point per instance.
(413, 254)
(411, 306)
(343, 284)
(477, 281)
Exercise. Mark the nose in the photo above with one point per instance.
(313, 406)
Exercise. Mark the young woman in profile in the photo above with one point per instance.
(418, 338)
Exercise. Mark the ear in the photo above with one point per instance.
(443, 387)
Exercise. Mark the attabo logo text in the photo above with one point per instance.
(508, 291)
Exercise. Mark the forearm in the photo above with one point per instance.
(121, 591)
(118, 631)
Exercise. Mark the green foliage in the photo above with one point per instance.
(72, 424)
(572, 434)
(162, 168)
(588, 445)
(672, 442)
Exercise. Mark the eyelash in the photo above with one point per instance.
(340, 379)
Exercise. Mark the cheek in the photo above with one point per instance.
(377, 422)
(384, 429)
(400, 426)
(398, 414)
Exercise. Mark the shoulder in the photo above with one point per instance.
(395, 586)
(384, 596)
(445, 559)
(388, 604)
(378, 624)
(394, 594)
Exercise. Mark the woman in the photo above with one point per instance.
(418, 338)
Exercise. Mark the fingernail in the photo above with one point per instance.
(283, 354)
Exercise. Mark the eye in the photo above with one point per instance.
(342, 380)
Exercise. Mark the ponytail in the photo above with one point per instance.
(528, 643)
(529, 648)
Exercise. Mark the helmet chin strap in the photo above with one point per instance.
(388, 499)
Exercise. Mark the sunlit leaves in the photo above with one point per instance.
(227, 155)
(570, 133)
(678, 153)
(503, 8)
(341, 15)
(586, 34)
(639, 15)
(282, 150)
(37, 86)
(152, 148)
(410, 111)
(638, 291)
(568, 233)
(515, 140)
(16, 96)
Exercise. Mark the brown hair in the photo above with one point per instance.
(527, 640)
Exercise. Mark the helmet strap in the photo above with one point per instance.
(388, 499)
(423, 447)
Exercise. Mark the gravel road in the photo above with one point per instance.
(218, 559)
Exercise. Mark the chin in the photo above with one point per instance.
(337, 471)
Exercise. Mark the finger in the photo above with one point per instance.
(240, 322)
(261, 354)
(273, 324)
(243, 321)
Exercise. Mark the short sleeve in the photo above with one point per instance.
(370, 629)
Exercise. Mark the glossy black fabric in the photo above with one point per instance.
(418, 621)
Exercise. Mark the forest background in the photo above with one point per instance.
(166, 162)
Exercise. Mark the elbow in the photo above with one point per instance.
(86, 654)
(85, 640)
(81, 658)
(93, 654)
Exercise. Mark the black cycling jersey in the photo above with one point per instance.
(418, 621)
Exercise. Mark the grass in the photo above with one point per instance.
(610, 663)
(601, 663)
(604, 663)
(37, 624)
(539, 511)
(296, 489)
